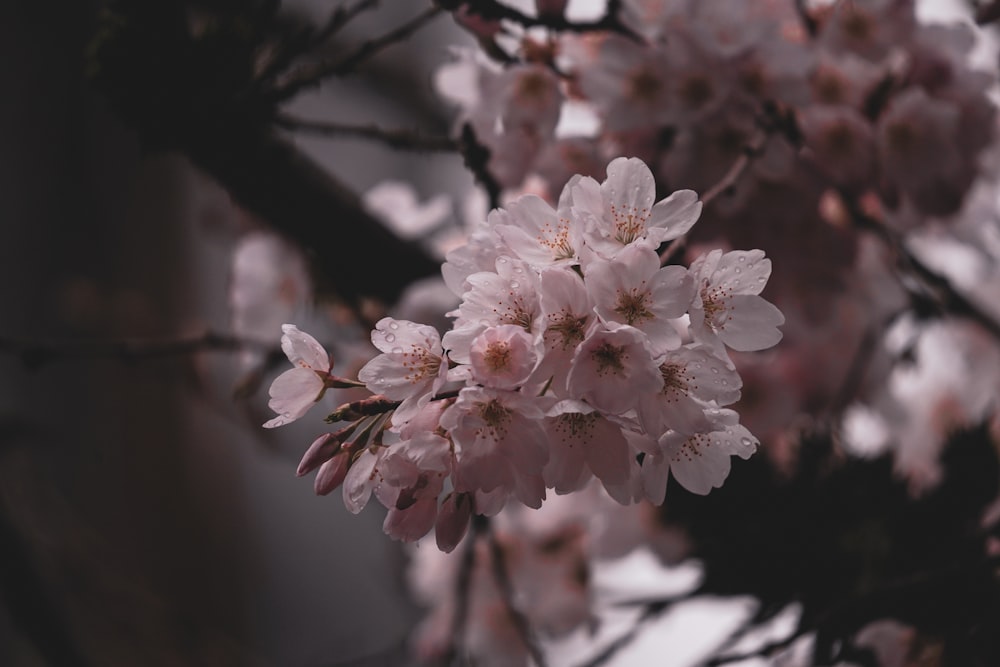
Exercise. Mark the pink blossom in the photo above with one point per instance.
(620, 211)
(698, 462)
(411, 368)
(296, 390)
(633, 289)
(612, 367)
(727, 306)
(502, 356)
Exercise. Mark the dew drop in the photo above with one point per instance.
(397, 350)
(762, 279)
(514, 284)
(739, 270)
(746, 442)
(502, 260)
(725, 382)
(393, 325)
(697, 367)
(715, 370)
(743, 259)
(737, 282)
(390, 337)
(750, 265)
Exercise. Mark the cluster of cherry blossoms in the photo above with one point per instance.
(574, 354)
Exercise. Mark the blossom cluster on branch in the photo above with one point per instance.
(574, 354)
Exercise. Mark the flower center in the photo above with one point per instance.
(497, 356)
(576, 426)
(629, 225)
(496, 416)
(644, 86)
(566, 329)
(675, 380)
(609, 359)
(632, 306)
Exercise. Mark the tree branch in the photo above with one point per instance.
(398, 139)
(36, 354)
(492, 10)
(501, 576)
(312, 74)
(937, 287)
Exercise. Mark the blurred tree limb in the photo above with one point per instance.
(186, 78)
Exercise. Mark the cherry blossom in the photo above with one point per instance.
(620, 211)
(727, 306)
(411, 367)
(296, 390)
(699, 462)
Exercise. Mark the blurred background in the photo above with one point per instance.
(145, 517)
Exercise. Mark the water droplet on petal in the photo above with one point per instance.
(715, 370)
(743, 259)
(397, 350)
(739, 270)
(502, 260)
(393, 325)
(514, 284)
(697, 367)
(390, 337)
(746, 442)
(725, 382)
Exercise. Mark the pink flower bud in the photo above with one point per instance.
(332, 473)
(321, 450)
(453, 521)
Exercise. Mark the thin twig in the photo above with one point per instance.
(651, 609)
(728, 181)
(311, 39)
(312, 74)
(35, 354)
(764, 651)
(501, 576)
(808, 21)
(937, 287)
(340, 17)
(477, 158)
(725, 185)
(494, 11)
(398, 139)
(463, 595)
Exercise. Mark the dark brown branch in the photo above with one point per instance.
(988, 12)
(340, 17)
(651, 609)
(167, 86)
(806, 17)
(477, 158)
(35, 354)
(725, 185)
(398, 139)
(498, 562)
(313, 74)
(938, 288)
(463, 593)
(492, 10)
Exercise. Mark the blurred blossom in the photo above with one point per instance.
(269, 285)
